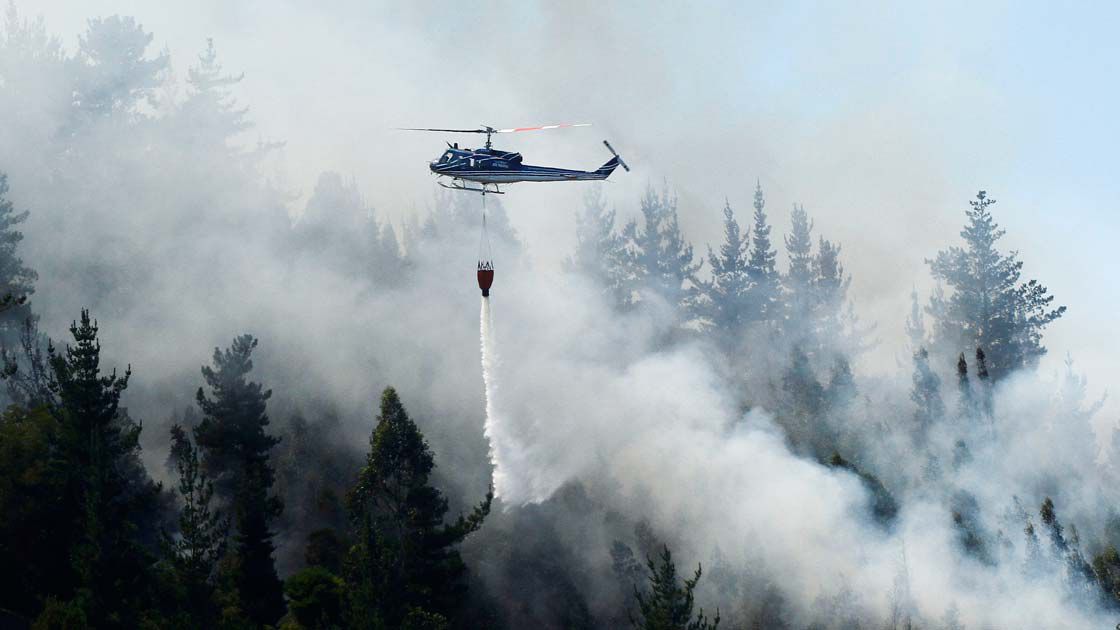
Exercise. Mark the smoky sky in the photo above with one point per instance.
(879, 119)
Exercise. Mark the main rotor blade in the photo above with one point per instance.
(443, 130)
(542, 127)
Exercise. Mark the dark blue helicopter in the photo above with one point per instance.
(490, 166)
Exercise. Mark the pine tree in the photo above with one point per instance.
(201, 539)
(97, 456)
(661, 260)
(1106, 567)
(17, 281)
(235, 454)
(259, 588)
(984, 384)
(989, 307)
(724, 305)
(967, 402)
(210, 111)
(668, 604)
(112, 74)
(971, 536)
(405, 557)
(797, 283)
(803, 402)
(600, 251)
(762, 272)
(1053, 525)
(831, 294)
(926, 394)
(1077, 567)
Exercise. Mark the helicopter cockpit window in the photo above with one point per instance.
(446, 157)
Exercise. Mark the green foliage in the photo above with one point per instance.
(17, 281)
(404, 556)
(28, 486)
(62, 615)
(201, 540)
(315, 598)
(803, 405)
(232, 434)
(971, 536)
(1053, 525)
(668, 604)
(314, 471)
(97, 455)
(724, 301)
(418, 619)
(765, 281)
(830, 299)
(882, 506)
(235, 451)
(26, 370)
(661, 260)
(989, 307)
(1106, 567)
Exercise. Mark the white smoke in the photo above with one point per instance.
(658, 431)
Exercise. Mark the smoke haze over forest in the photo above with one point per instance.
(856, 113)
(820, 465)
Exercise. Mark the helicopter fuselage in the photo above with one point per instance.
(494, 166)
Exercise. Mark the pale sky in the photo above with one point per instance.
(883, 119)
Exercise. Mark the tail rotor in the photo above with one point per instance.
(616, 156)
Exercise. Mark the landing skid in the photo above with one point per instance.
(484, 190)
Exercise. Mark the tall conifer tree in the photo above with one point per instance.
(236, 452)
(724, 301)
(97, 458)
(404, 561)
(17, 281)
(989, 306)
(765, 281)
(661, 259)
(668, 604)
(797, 283)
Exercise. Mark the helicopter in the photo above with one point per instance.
(489, 166)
